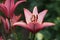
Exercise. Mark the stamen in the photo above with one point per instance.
(34, 18)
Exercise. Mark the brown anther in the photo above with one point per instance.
(34, 18)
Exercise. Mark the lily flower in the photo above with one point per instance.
(5, 23)
(34, 21)
(9, 6)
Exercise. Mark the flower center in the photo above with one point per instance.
(34, 18)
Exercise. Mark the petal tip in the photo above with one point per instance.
(53, 24)
(24, 8)
(23, 0)
(46, 10)
(35, 7)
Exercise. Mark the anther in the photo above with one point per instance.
(34, 18)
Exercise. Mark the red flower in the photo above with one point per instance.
(9, 6)
(34, 20)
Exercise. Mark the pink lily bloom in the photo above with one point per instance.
(5, 23)
(9, 6)
(34, 21)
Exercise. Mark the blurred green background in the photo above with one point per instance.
(53, 15)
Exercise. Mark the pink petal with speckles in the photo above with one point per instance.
(41, 16)
(47, 24)
(28, 15)
(35, 11)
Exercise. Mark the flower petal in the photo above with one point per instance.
(2, 19)
(5, 23)
(4, 9)
(21, 23)
(46, 24)
(35, 11)
(34, 27)
(17, 17)
(8, 4)
(28, 15)
(14, 19)
(18, 2)
(12, 5)
(12, 2)
(41, 16)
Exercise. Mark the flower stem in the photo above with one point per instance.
(15, 35)
(3, 35)
(2, 32)
(13, 30)
(32, 36)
